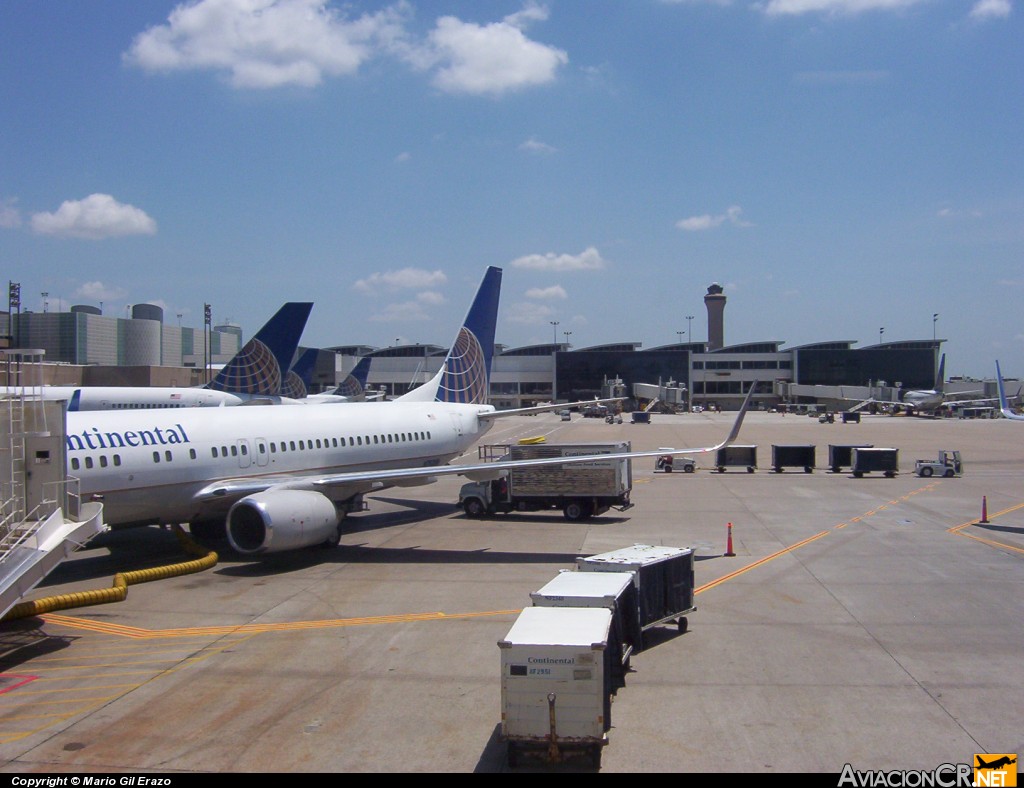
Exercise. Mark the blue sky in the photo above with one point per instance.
(839, 166)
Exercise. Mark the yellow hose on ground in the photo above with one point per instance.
(207, 560)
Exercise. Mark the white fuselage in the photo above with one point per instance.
(923, 399)
(140, 397)
(149, 466)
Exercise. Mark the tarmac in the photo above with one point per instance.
(875, 623)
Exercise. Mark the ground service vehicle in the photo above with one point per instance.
(581, 490)
(669, 462)
(947, 464)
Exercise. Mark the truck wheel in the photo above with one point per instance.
(808, 469)
(890, 474)
(858, 474)
(926, 472)
(750, 469)
(667, 467)
(474, 507)
(949, 473)
(575, 511)
(778, 469)
(682, 624)
(835, 469)
(689, 468)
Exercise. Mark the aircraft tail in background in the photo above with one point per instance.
(465, 376)
(260, 366)
(1004, 405)
(354, 384)
(940, 377)
(300, 377)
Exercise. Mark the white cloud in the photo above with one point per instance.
(96, 217)
(10, 216)
(547, 293)
(265, 43)
(403, 157)
(832, 7)
(488, 59)
(272, 43)
(528, 313)
(991, 9)
(97, 291)
(588, 260)
(409, 311)
(707, 221)
(533, 145)
(403, 279)
(431, 298)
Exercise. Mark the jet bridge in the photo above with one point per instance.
(42, 520)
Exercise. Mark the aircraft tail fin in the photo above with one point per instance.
(300, 377)
(354, 384)
(259, 367)
(940, 378)
(465, 375)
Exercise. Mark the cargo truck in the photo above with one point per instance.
(581, 490)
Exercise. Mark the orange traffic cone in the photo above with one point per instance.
(984, 510)
(728, 548)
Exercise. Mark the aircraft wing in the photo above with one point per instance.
(343, 484)
(495, 414)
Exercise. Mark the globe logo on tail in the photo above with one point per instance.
(253, 371)
(465, 377)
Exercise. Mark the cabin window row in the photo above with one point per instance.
(102, 461)
(283, 447)
(242, 448)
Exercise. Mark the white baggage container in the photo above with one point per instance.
(556, 682)
(663, 577)
(613, 590)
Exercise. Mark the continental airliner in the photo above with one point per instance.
(278, 478)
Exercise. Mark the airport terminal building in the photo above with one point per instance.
(707, 373)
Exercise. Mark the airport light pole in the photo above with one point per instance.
(567, 335)
(880, 332)
(46, 303)
(935, 319)
(689, 372)
(554, 331)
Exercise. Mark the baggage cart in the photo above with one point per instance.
(841, 455)
(556, 683)
(612, 590)
(793, 456)
(736, 456)
(663, 577)
(868, 459)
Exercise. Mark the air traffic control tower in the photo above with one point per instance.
(715, 302)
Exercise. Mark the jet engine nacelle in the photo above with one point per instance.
(278, 520)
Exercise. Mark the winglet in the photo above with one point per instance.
(465, 375)
(259, 367)
(735, 431)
